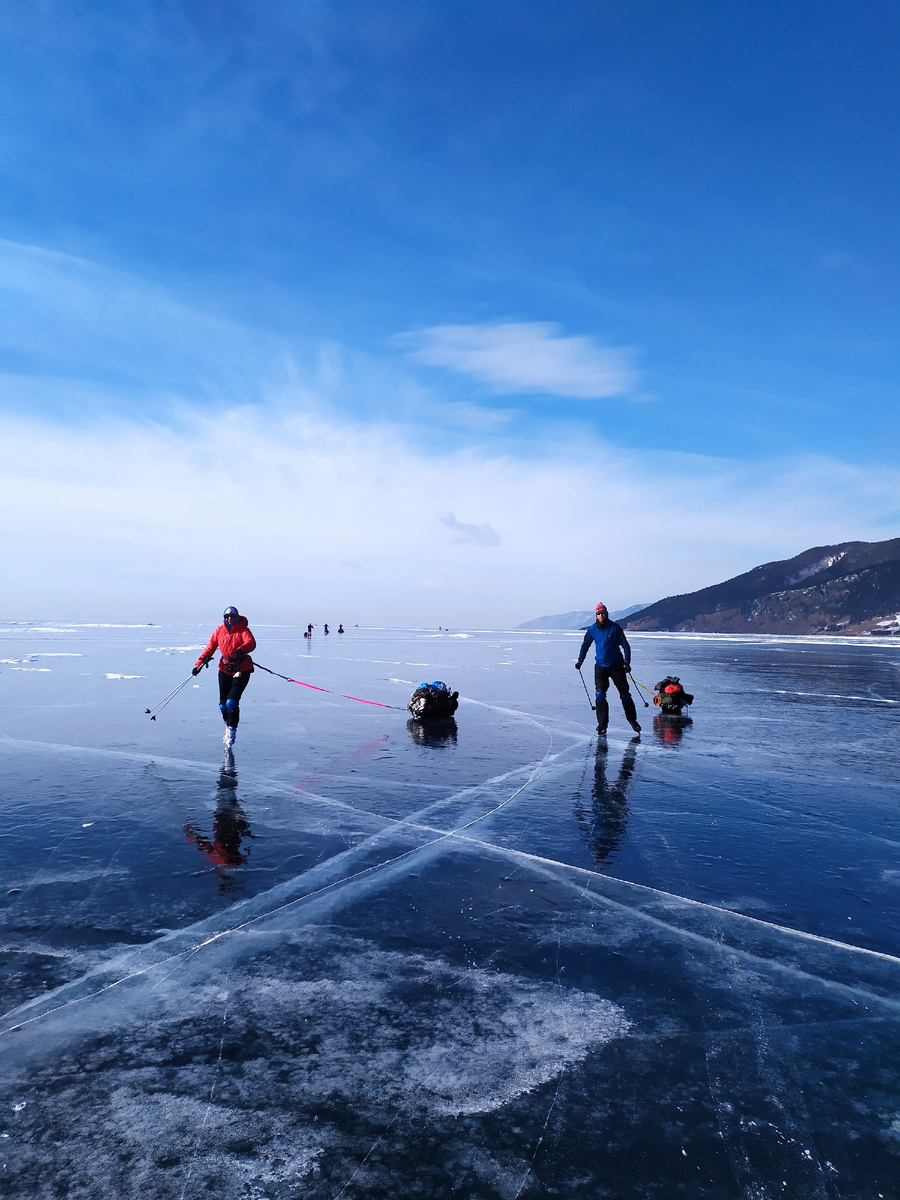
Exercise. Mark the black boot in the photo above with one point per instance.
(630, 712)
(602, 714)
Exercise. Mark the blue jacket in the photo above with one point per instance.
(611, 643)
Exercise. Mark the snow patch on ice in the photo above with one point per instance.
(44, 949)
(315, 1023)
(47, 878)
(174, 649)
(45, 629)
(458, 1040)
(30, 658)
(88, 625)
(751, 639)
(828, 696)
(113, 675)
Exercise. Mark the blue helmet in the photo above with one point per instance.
(230, 614)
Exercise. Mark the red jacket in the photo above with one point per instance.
(234, 643)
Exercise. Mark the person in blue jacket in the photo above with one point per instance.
(613, 662)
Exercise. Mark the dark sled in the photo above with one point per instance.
(671, 697)
(432, 702)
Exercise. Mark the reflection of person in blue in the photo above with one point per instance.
(605, 823)
(230, 828)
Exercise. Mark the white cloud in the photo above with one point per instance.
(315, 517)
(473, 535)
(525, 357)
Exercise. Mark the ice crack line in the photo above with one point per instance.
(215, 1082)
(560, 872)
(686, 900)
(342, 883)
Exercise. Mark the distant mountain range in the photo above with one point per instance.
(577, 619)
(851, 588)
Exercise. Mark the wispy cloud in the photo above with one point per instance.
(472, 535)
(527, 356)
(77, 320)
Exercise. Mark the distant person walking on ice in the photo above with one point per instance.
(235, 641)
(340, 629)
(325, 629)
(613, 662)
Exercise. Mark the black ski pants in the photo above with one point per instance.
(231, 688)
(602, 677)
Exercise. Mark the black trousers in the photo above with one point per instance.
(602, 678)
(231, 688)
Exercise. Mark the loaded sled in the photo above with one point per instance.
(671, 697)
(432, 702)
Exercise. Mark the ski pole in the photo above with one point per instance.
(157, 708)
(638, 686)
(586, 692)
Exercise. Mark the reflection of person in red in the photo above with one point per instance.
(223, 852)
(235, 641)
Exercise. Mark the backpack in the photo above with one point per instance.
(432, 701)
(670, 695)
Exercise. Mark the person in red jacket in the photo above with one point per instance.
(235, 641)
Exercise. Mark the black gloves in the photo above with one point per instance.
(196, 670)
(578, 666)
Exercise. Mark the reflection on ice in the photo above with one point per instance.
(433, 733)
(670, 730)
(371, 960)
(230, 829)
(604, 824)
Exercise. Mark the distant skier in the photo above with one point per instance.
(613, 662)
(340, 629)
(309, 630)
(235, 641)
(325, 629)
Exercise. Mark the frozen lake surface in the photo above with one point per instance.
(489, 960)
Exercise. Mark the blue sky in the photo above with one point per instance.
(456, 313)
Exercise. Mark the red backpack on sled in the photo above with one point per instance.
(670, 696)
